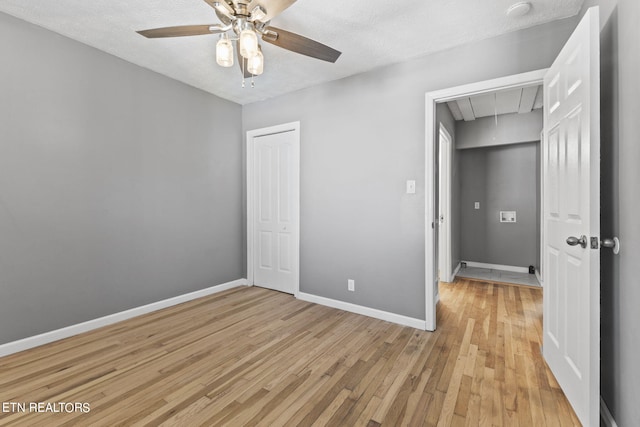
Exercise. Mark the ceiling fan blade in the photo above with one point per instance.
(299, 44)
(272, 8)
(181, 31)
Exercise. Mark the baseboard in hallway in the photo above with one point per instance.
(499, 276)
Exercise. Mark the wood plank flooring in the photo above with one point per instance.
(254, 357)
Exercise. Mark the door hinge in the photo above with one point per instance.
(595, 243)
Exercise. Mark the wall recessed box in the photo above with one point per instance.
(507, 216)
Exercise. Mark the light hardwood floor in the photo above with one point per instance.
(250, 356)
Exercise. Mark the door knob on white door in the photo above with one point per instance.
(573, 241)
(611, 243)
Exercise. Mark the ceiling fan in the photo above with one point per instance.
(246, 20)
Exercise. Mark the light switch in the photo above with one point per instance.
(411, 187)
(476, 205)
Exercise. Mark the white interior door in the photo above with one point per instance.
(444, 206)
(571, 167)
(275, 209)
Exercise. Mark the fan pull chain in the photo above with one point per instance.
(242, 59)
(253, 83)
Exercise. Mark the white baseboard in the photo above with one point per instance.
(455, 271)
(58, 334)
(513, 268)
(605, 415)
(539, 277)
(366, 311)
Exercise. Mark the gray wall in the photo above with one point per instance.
(362, 137)
(497, 186)
(444, 116)
(500, 178)
(620, 289)
(511, 129)
(118, 187)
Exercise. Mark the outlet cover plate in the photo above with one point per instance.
(351, 285)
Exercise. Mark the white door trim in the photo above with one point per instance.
(431, 99)
(540, 270)
(287, 127)
(444, 203)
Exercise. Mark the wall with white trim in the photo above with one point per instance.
(500, 178)
(620, 176)
(362, 137)
(119, 187)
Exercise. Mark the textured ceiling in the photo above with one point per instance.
(370, 34)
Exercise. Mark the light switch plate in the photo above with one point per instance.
(411, 187)
(476, 205)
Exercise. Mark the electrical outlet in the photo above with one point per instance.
(476, 205)
(411, 187)
(351, 285)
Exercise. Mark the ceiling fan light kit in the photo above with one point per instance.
(255, 64)
(248, 42)
(224, 51)
(248, 20)
(258, 14)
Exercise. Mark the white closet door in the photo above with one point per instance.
(276, 225)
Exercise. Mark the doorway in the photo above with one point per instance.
(496, 187)
(571, 179)
(533, 78)
(273, 207)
